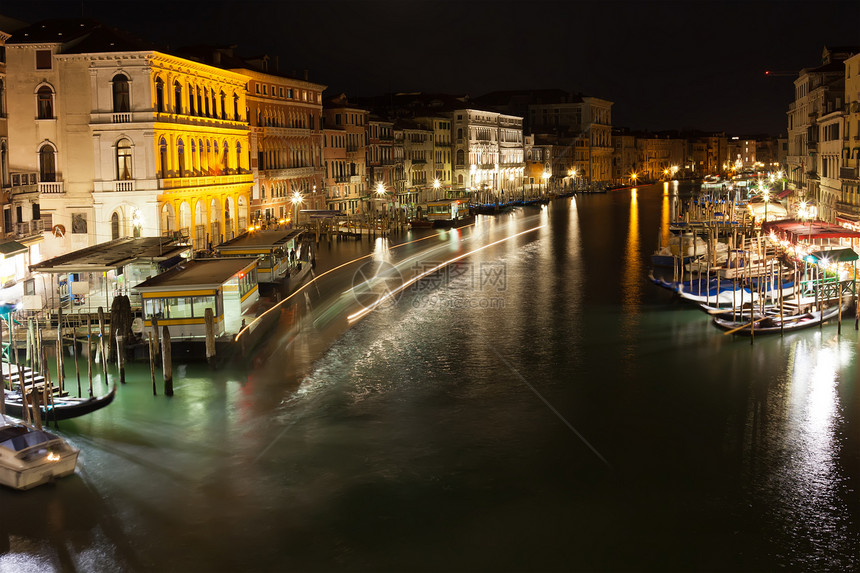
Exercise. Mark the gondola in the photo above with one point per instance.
(62, 408)
(772, 323)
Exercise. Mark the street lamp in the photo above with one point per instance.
(296, 200)
(436, 185)
(633, 177)
(545, 177)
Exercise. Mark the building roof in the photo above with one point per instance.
(79, 36)
(198, 273)
(112, 255)
(263, 241)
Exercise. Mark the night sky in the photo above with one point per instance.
(666, 65)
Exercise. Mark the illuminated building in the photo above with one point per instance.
(127, 141)
(344, 143)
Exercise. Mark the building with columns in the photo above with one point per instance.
(127, 140)
(488, 153)
(345, 142)
(818, 92)
(286, 143)
(847, 209)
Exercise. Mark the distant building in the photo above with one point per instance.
(488, 153)
(344, 142)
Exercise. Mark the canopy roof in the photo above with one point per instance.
(796, 230)
(835, 255)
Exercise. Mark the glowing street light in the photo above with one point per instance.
(296, 200)
(633, 177)
(436, 185)
(545, 178)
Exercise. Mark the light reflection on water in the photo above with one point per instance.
(404, 443)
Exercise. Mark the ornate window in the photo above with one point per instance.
(47, 163)
(159, 95)
(123, 160)
(177, 97)
(162, 154)
(180, 157)
(45, 99)
(121, 102)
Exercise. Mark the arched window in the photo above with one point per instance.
(121, 102)
(236, 107)
(262, 191)
(162, 154)
(194, 165)
(177, 97)
(206, 101)
(191, 110)
(159, 95)
(199, 103)
(4, 164)
(225, 158)
(114, 226)
(47, 164)
(461, 157)
(223, 106)
(123, 160)
(45, 98)
(238, 157)
(180, 157)
(2, 98)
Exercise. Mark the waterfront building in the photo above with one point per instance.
(583, 123)
(488, 150)
(818, 92)
(848, 206)
(417, 160)
(286, 144)
(742, 153)
(623, 156)
(538, 167)
(656, 153)
(829, 162)
(345, 156)
(440, 163)
(380, 157)
(127, 140)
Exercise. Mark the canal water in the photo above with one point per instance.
(536, 405)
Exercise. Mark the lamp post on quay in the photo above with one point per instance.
(296, 200)
(436, 186)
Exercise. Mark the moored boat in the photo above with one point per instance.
(771, 322)
(60, 408)
(30, 457)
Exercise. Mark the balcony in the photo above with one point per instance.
(848, 209)
(849, 173)
(121, 117)
(126, 185)
(205, 181)
(53, 187)
(24, 183)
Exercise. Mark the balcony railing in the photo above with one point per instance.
(126, 185)
(209, 180)
(848, 173)
(122, 117)
(850, 209)
(51, 187)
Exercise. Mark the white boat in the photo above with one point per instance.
(31, 457)
(714, 182)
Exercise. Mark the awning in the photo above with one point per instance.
(10, 248)
(836, 255)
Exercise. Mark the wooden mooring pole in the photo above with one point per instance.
(102, 344)
(209, 318)
(166, 362)
(152, 364)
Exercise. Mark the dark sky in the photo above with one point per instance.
(666, 65)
